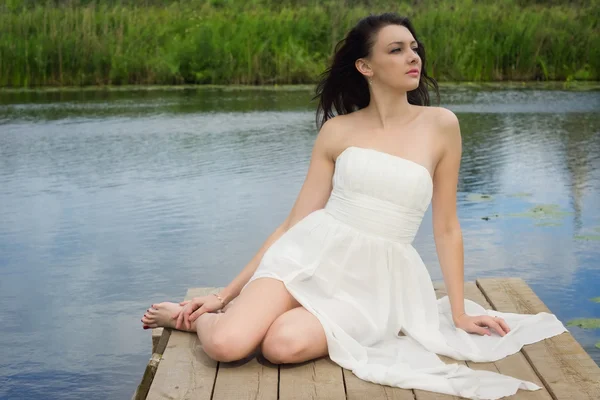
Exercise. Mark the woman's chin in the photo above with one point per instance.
(410, 86)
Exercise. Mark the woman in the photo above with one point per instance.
(340, 277)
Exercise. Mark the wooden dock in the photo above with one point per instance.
(179, 369)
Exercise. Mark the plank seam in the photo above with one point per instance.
(522, 351)
(550, 392)
(344, 382)
(212, 392)
(489, 300)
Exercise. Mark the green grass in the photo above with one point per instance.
(66, 43)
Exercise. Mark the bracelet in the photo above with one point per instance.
(220, 299)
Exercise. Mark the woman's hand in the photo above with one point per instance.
(192, 309)
(476, 324)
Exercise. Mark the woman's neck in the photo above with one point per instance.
(389, 108)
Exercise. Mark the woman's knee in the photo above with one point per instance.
(227, 345)
(281, 345)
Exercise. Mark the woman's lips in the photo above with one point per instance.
(413, 72)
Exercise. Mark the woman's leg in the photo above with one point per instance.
(238, 331)
(294, 337)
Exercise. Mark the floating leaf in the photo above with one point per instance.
(487, 218)
(585, 323)
(595, 299)
(543, 211)
(478, 197)
(598, 345)
(587, 237)
(521, 194)
(549, 223)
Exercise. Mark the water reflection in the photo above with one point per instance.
(33, 106)
(113, 200)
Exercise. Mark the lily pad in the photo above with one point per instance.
(585, 323)
(549, 223)
(488, 217)
(521, 194)
(598, 345)
(478, 197)
(587, 237)
(595, 299)
(543, 211)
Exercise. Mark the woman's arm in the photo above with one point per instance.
(447, 232)
(313, 196)
(446, 228)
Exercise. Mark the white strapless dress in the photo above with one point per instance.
(353, 266)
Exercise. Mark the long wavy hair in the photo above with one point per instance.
(343, 89)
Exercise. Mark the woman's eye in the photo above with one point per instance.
(398, 49)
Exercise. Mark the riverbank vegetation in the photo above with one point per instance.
(87, 42)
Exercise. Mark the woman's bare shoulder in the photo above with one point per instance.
(441, 116)
(335, 134)
(443, 123)
(445, 129)
(339, 122)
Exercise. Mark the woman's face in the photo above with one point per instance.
(394, 61)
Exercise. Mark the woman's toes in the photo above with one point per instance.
(148, 319)
(161, 315)
(149, 323)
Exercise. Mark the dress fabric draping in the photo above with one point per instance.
(352, 265)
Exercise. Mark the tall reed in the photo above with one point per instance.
(115, 42)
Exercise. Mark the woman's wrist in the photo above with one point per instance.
(220, 298)
(455, 319)
(225, 296)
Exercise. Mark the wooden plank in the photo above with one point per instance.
(318, 379)
(160, 344)
(515, 365)
(247, 379)
(358, 389)
(156, 334)
(251, 378)
(570, 374)
(185, 371)
(144, 386)
(562, 364)
(518, 366)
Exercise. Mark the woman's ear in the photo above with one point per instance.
(363, 67)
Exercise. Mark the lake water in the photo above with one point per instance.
(113, 200)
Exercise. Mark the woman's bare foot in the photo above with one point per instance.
(161, 315)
